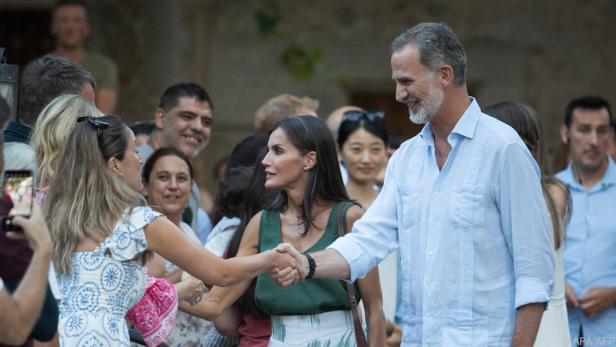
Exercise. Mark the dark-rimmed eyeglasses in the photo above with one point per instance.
(355, 116)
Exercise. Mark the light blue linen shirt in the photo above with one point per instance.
(589, 257)
(473, 238)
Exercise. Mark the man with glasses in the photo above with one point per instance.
(462, 202)
(590, 240)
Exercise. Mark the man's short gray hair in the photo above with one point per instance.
(437, 45)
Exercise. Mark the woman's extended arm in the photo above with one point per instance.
(370, 289)
(218, 299)
(228, 323)
(166, 239)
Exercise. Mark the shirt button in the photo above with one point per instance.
(430, 253)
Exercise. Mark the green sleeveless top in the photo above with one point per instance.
(312, 296)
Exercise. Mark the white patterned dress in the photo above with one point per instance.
(104, 284)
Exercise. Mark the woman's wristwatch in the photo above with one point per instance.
(312, 265)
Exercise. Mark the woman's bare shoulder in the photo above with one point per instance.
(354, 213)
(558, 190)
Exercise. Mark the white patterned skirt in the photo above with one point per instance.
(314, 330)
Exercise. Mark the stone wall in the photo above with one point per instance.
(541, 52)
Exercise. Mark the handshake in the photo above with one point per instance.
(290, 266)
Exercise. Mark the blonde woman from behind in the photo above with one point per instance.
(53, 127)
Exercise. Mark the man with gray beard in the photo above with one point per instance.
(462, 202)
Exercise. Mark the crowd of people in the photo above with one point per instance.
(484, 246)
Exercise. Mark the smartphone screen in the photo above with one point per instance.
(16, 197)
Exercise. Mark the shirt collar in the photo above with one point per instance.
(426, 135)
(567, 176)
(467, 124)
(610, 173)
(465, 127)
(609, 178)
(16, 132)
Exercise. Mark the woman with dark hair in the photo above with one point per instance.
(231, 191)
(554, 328)
(167, 179)
(101, 232)
(239, 196)
(362, 143)
(301, 163)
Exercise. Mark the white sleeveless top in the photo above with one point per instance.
(554, 328)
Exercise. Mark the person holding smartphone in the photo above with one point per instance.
(20, 192)
(15, 255)
(26, 301)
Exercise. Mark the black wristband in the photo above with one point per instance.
(312, 265)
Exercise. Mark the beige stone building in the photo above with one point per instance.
(540, 52)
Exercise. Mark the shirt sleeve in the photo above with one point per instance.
(1, 283)
(524, 218)
(375, 235)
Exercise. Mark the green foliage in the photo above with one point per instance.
(268, 17)
(301, 61)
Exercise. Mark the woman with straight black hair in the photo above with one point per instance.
(308, 212)
(240, 195)
(362, 144)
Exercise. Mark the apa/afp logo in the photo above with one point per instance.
(594, 341)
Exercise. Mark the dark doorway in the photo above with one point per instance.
(25, 34)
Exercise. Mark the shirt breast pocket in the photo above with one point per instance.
(409, 209)
(469, 207)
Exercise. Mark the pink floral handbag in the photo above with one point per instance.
(153, 316)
